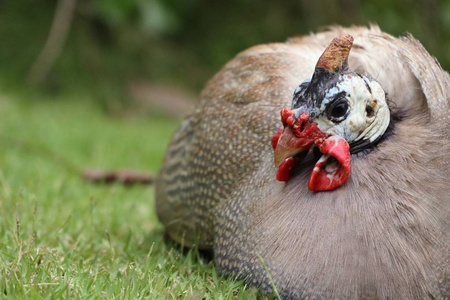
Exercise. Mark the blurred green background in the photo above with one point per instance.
(118, 50)
(103, 84)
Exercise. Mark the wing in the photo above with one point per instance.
(223, 141)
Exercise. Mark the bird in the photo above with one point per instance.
(318, 168)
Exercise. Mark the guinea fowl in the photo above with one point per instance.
(377, 107)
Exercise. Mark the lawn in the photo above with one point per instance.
(64, 237)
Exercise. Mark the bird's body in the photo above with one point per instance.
(384, 234)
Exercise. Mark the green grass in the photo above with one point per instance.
(63, 237)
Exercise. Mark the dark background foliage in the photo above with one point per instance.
(181, 43)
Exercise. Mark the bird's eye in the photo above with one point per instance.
(338, 110)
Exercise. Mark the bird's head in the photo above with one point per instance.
(339, 111)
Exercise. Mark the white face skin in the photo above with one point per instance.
(368, 113)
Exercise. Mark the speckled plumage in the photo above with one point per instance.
(385, 234)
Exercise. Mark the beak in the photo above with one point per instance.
(293, 141)
(297, 136)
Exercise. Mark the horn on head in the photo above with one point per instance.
(335, 58)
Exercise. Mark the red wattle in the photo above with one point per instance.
(294, 138)
(328, 176)
(276, 137)
(284, 171)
